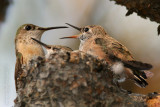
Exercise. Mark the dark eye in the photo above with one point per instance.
(28, 27)
(86, 29)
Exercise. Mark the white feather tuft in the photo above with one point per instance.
(117, 68)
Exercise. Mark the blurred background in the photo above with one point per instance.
(139, 35)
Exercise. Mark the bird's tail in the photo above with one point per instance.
(132, 63)
(136, 71)
(137, 76)
(137, 65)
(139, 70)
(149, 74)
(140, 77)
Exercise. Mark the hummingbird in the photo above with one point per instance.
(95, 41)
(52, 48)
(26, 48)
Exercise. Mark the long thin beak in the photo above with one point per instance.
(74, 36)
(50, 28)
(74, 26)
(41, 43)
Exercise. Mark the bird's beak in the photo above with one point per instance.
(74, 36)
(43, 44)
(79, 29)
(50, 28)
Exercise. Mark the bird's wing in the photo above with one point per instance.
(117, 51)
(18, 67)
(114, 48)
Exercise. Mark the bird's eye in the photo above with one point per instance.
(86, 29)
(28, 27)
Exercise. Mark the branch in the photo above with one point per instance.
(144, 8)
(3, 4)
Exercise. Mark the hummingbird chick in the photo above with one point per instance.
(51, 49)
(95, 41)
(26, 48)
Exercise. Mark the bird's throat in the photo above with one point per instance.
(28, 51)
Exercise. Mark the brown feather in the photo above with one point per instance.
(18, 68)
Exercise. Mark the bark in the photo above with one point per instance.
(144, 8)
(72, 79)
(3, 4)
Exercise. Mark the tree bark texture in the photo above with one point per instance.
(144, 8)
(72, 79)
(3, 7)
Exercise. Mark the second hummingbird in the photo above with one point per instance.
(95, 41)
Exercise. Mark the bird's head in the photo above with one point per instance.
(33, 31)
(87, 32)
